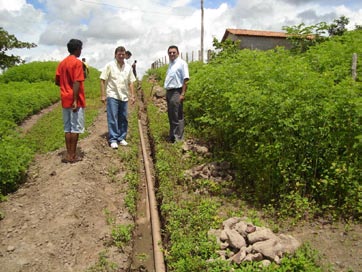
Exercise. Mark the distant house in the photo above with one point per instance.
(256, 39)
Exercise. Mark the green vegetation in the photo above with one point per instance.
(25, 90)
(289, 123)
(103, 264)
(188, 214)
(121, 234)
(129, 157)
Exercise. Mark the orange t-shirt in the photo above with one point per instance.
(69, 71)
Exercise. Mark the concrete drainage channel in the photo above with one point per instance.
(147, 253)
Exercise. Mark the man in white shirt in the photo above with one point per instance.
(116, 89)
(176, 80)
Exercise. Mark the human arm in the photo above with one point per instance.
(76, 86)
(131, 88)
(57, 80)
(183, 90)
(103, 92)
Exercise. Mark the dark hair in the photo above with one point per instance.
(174, 47)
(128, 53)
(120, 49)
(73, 45)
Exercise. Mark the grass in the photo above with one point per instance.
(55, 133)
(190, 208)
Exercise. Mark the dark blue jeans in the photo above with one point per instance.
(117, 119)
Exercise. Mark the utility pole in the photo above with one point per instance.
(202, 32)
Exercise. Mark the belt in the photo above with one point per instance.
(174, 89)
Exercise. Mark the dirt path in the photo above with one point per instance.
(57, 221)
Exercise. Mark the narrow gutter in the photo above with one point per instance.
(155, 220)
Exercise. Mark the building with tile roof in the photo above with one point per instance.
(256, 39)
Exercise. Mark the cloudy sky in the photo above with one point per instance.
(148, 27)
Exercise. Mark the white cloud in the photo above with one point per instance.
(147, 28)
(11, 5)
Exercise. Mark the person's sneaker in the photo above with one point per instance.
(114, 145)
(123, 142)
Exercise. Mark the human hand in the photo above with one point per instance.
(75, 106)
(133, 99)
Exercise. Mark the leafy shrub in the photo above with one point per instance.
(288, 126)
(15, 155)
(333, 58)
(21, 99)
(30, 72)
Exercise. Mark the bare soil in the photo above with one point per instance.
(57, 220)
(339, 244)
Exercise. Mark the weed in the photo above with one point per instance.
(121, 234)
(109, 219)
(103, 264)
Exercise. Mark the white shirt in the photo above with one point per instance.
(177, 72)
(117, 79)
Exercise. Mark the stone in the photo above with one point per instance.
(270, 248)
(261, 234)
(229, 223)
(289, 243)
(235, 239)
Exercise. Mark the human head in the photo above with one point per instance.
(75, 47)
(120, 53)
(120, 49)
(83, 59)
(172, 52)
(128, 54)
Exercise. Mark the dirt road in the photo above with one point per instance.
(57, 220)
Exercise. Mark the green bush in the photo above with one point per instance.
(22, 99)
(15, 156)
(30, 72)
(288, 127)
(187, 215)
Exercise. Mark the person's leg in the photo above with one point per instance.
(179, 132)
(77, 127)
(173, 111)
(73, 146)
(123, 121)
(112, 119)
(168, 100)
(67, 135)
(68, 144)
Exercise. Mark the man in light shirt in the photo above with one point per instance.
(176, 80)
(117, 89)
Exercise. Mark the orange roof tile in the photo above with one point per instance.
(245, 32)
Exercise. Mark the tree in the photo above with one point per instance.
(8, 42)
(338, 27)
(302, 37)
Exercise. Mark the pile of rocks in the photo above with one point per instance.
(217, 171)
(241, 241)
(159, 98)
